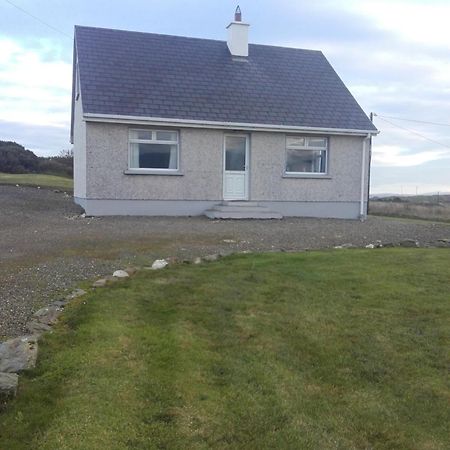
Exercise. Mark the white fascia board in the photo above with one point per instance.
(160, 121)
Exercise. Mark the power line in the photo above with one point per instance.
(415, 120)
(415, 132)
(38, 19)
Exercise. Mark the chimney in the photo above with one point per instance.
(238, 35)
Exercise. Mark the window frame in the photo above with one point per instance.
(149, 170)
(306, 147)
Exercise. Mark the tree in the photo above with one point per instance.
(14, 158)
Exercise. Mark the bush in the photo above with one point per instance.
(57, 165)
(14, 158)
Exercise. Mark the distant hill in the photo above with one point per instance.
(15, 158)
(417, 199)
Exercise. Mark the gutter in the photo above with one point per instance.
(159, 121)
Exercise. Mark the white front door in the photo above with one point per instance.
(235, 169)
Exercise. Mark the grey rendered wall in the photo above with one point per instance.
(79, 151)
(267, 169)
(200, 166)
(201, 162)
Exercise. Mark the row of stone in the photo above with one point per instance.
(404, 243)
(19, 354)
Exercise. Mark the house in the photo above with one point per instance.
(169, 125)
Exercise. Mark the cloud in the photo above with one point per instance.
(43, 140)
(391, 155)
(35, 84)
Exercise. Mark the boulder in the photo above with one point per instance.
(370, 246)
(159, 264)
(75, 293)
(8, 384)
(60, 303)
(37, 328)
(172, 260)
(120, 274)
(131, 270)
(197, 260)
(48, 315)
(111, 279)
(211, 258)
(18, 354)
(99, 283)
(409, 243)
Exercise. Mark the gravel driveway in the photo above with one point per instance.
(46, 247)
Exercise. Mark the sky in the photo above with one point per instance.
(393, 55)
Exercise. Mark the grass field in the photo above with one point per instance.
(408, 209)
(42, 180)
(319, 350)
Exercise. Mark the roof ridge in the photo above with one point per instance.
(191, 38)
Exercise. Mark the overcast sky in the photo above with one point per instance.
(394, 55)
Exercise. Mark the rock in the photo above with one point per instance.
(229, 241)
(37, 328)
(211, 258)
(172, 260)
(18, 354)
(99, 283)
(120, 274)
(60, 303)
(346, 245)
(48, 315)
(197, 260)
(159, 264)
(111, 279)
(75, 294)
(444, 241)
(8, 384)
(370, 246)
(338, 247)
(388, 244)
(131, 270)
(409, 243)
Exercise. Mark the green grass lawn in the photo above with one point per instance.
(37, 179)
(318, 350)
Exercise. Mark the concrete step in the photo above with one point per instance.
(242, 215)
(238, 203)
(232, 208)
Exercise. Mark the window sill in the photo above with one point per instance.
(322, 176)
(152, 172)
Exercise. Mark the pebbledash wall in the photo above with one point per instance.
(103, 188)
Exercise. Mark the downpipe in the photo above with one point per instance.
(362, 211)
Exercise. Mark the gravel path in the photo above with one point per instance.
(46, 247)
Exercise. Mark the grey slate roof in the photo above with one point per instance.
(152, 75)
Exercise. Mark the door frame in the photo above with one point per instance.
(247, 165)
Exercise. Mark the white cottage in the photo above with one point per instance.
(169, 125)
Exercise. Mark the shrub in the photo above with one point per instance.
(14, 158)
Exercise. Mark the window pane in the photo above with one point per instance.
(166, 136)
(235, 153)
(296, 141)
(141, 134)
(312, 161)
(154, 156)
(317, 142)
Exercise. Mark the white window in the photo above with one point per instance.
(154, 150)
(305, 155)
